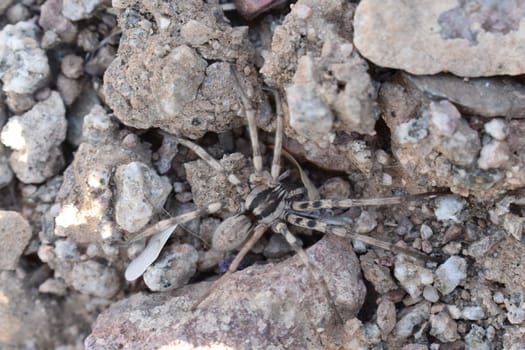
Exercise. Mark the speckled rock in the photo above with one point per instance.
(436, 145)
(52, 21)
(86, 195)
(505, 266)
(36, 137)
(378, 275)
(173, 268)
(15, 233)
(443, 327)
(325, 83)
(208, 186)
(95, 278)
(173, 69)
(271, 306)
(76, 10)
(412, 277)
(450, 274)
(428, 37)
(24, 67)
(140, 194)
(410, 318)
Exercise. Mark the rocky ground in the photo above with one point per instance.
(379, 98)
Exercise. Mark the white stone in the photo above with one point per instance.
(497, 128)
(76, 10)
(448, 208)
(450, 274)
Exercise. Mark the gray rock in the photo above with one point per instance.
(4, 5)
(412, 277)
(52, 20)
(277, 247)
(15, 233)
(173, 269)
(140, 194)
(488, 97)
(94, 278)
(6, 174)
(473, 313)
(428, 37)
(476, 339)
(24, 67)
(410, 318)
(378, 275)
(76, 10)
(261, 307)
(386, 317)
(443, 327)
(72, 66)
(161, 79)
(35, 137)
(450, 274)
(17, 13)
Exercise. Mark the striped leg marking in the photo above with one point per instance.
(344, 232)
(348, 203)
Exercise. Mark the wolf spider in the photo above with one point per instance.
(268, 204)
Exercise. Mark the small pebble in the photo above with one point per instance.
(66, 250)
(450, 274)
(498, 297)
(443, 327)
(426, 232)
(72, 66)
(448, 208)
(430, 293)
(386, 317)
(497, 128)
(473, 313)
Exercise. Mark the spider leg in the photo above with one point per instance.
(257, 234)
(342, 231)
(361, 202)
(165, 224)
(281, 228)
(278, 143)
(252, 126)
(212, 162)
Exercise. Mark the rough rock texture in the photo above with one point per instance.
(271, 306)
(86, 197)
(173, 69)
(28, 321)
(15, 233)
(52, 20)
(505, 266)
(36, 137)
(23, 64)
(324, 80)
(76, 10)
(6, 174)
(140, 194)
(428, 37)
(436, 145)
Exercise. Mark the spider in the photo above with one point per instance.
(267, 205)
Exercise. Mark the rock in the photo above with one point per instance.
(140, 194)
(497, 128)
(83, 105)
(101, 61)
(66, 250)
(173, 269)
(410, 318)
(473, 313)
(413, 278)
(450, 274)
(426, 37)
(86, 195)
(443, 327)
(162, 79)
(52, 20)
(437, 146)
(24, 67)
(4, 5)
(327, 83)
(515, 314)
(430, 293)
(505, 267)
(475, 339)
(487, 97)
(94, 278)
(72, 66)
(386, 317)
(448, 208)
(17, 13)
(53, 286)
(495, 154)
(208, 186)
(335, 188)
(98, 128)
(261, 307)
(28, 320)
(76, 10)
(277, 247)
(6, 174)
(366, 222)
(36, 137)
(69, 89)
(376, 274)
(15, 233)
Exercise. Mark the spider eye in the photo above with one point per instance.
(231, 233)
